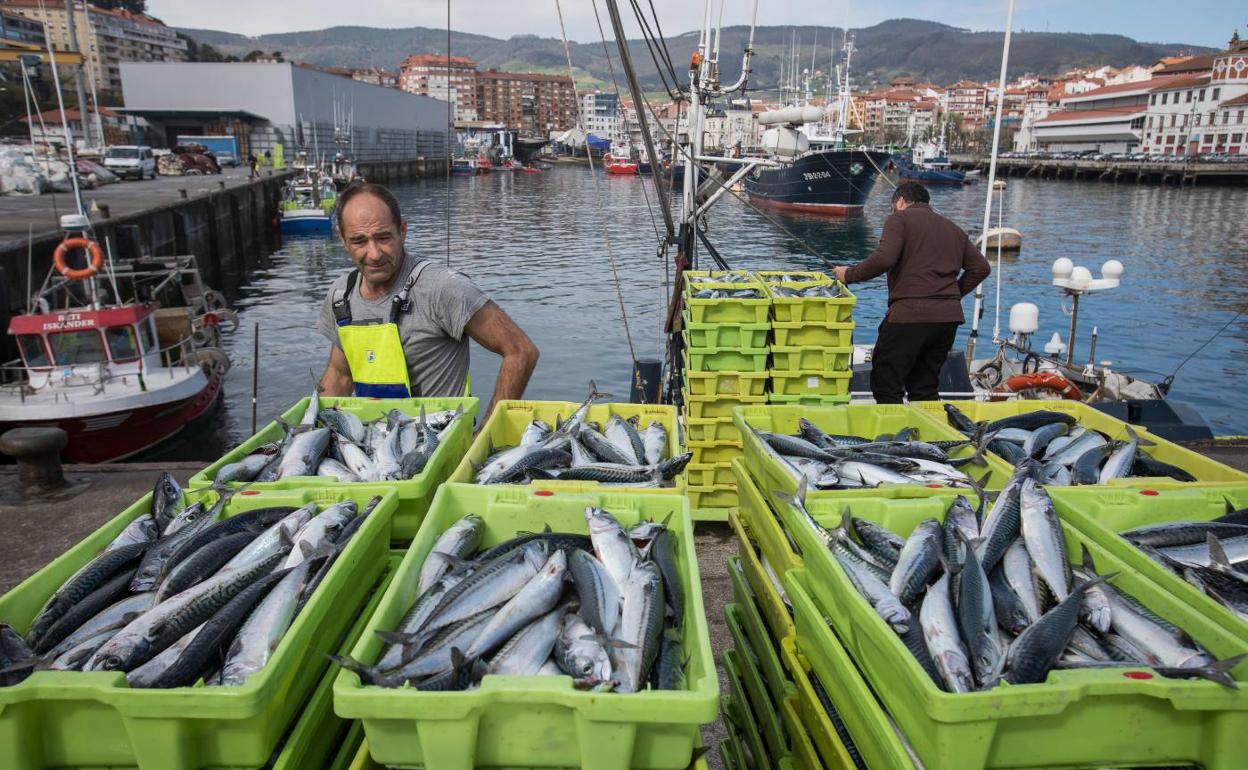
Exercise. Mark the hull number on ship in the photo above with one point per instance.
(810, 175)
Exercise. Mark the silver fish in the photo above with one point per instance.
(319, 532)
(611, 544)
(273, 539)
(654, 439)
(1042, 532)
(641, 625)
(264, 628)
(580, 653)
(332, 469)
(303, 453)
(940, 632)
(1121, 459)
(918, 562)
(529, 649)
(246, 469)
(458, 541)
(538, 597)
(598, 591)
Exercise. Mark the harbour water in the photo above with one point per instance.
(535, 243)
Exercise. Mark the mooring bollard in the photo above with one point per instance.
(38, 455)
(182, 193)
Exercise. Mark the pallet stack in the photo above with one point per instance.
(725, 366)
(812, 338)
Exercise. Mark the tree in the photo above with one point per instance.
(133, 6)
(202, 52)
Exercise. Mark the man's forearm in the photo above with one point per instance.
(513, 378)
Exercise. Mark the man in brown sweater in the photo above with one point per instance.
(931, 266)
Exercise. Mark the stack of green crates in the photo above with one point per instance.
(725, 366)
(812, 340)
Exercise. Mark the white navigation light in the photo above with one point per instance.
(1111, 273)
(1080, 277)
(1055, 346)
(1024, 318)
(1062, 268)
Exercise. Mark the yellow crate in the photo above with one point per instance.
(713, 452)
(810, 712)
(725, 359)
(813, 357)
(764, 525)
(728, 310)
(804, 755)
(716, 407)
(711, 429)
(724, 335)
(716, 474)
(701, 498)
(770, 602)
(810, 383)
(831, 334)
(819, 401)
(726, 383)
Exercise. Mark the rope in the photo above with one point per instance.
(606, 236)
(1217, 334)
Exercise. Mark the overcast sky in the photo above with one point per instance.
(1205, 22)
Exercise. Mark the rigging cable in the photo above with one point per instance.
(450, 132)
(619, 290)
(1166, 382)
(615, 83)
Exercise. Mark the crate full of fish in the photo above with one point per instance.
(724, 335)
(807, 297)
(187, 631)
(1192, 541)
(872, 449)
(535, 629)
(726, 359)
(812, 357)
(810, 382)
(845, 720)
(409, 444)
(828, 334)
(734, 297)
(1008, 638)
(566, 446)
(1076, 444)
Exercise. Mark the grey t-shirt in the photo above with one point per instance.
(432, 330)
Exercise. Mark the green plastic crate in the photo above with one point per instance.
(810, 383)
(729, 310)
(717, 474)
(813, 309)
(731, 710)
(534, 721)
(740, 716)
(319, 735)
(510, 418)
(769, 601)
(57, 719)
(829, 334)
(766, 713)
(869, 420)
(414, 494)
(712, 452)
(724, 335)
(728, 755)
(1204, 469)
(715, 407)
(812, 358)
(703, 498)
(726, 359)
(805, 757)
(726, 383)
(764, 526)
(817, 401)
(863, 722)
(805, 277)
(1080, 718)
(711, 429)
(761, 642)
(1101, 513)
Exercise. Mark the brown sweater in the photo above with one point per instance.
(931, 265)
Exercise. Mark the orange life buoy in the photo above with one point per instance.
(1041, 381)
(81, 273)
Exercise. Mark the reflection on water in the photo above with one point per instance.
(535, 244)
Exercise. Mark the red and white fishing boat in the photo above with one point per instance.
(120, 356)
(622, 166)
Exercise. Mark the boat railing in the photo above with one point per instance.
(16, 377)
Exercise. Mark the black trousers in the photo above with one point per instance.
(907, 360)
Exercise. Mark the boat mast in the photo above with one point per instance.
(992, 178)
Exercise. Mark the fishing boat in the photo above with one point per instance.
(814, 171)
(619, 166)
(307, 204)
(463, 166)
(121, 355)
(928, 162)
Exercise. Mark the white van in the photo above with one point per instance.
(130, 160)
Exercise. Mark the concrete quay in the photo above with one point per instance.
(1137, 172)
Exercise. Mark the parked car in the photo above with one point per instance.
(226, 159)
(129, 160)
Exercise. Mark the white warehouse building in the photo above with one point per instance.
(267, 103)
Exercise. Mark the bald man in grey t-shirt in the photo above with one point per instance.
(444, 308)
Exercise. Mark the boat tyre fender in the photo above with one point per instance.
(81, 273)
(1039, 381)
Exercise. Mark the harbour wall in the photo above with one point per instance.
(1136, 172)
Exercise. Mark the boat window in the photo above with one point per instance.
(77, 347)
(32, 350)
(123, 344)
